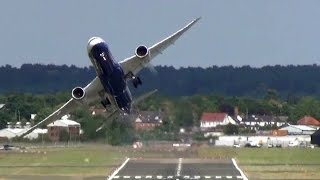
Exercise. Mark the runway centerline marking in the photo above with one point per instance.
(179, 167)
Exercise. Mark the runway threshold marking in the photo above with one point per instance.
(237, 167)
(180, 177)
(117, 170)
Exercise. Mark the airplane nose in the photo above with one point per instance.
(92, 42)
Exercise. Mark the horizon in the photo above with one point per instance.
(255, 33)
(177, 68)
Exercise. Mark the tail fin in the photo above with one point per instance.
(144, 96)
(114, 114)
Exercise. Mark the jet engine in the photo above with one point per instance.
(142, 51)
(78, 93)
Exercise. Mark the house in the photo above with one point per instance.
(55, 128)
(256, 121)
(298, 130)
(1, 106)
(147, 120)
(212, 120)
(308, 121)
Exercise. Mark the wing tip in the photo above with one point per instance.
(197, 19)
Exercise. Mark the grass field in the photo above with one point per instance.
(96, 161)
(275, 163)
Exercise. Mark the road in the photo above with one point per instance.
(177, 169)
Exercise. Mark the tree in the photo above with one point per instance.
(230, 129)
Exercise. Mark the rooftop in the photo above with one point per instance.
(149, 117)
(301, 127)
(213, 116)
(63, 123)
(308, 120)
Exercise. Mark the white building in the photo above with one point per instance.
(13, 132)
(284, 141)
(299, 130)
(261, 121)
(212, 120)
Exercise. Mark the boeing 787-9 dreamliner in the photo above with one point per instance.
(110, 86)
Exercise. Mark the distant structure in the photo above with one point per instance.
(308, 121)
(257, 121)
(147, 120)
(97, 111)
(2, 106)
(16, 129)
(55, 128)
(212, 120)
(299, 130)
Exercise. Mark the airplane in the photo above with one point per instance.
(110, 85)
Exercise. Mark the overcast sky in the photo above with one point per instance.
(254, 33)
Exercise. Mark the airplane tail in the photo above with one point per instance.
(144, 96)
(114, 114)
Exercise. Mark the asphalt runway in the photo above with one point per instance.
(177, 169)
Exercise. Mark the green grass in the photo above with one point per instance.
(273, 163)
(94, 160)
(99, 160)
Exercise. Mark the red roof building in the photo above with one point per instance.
(212, 120)
(213, 117)
(309, 121)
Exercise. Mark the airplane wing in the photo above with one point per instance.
(92, 90)
(134, 64)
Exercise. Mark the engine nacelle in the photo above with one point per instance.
(142, 51)
(78, 93)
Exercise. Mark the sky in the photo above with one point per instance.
(246, 32)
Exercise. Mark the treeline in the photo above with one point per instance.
(288, 81)
(178, 112)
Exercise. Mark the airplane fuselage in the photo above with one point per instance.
(110, 74)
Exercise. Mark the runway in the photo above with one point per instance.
(178, 169)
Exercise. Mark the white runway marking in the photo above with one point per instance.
(179, 167)
(242, 174)
(172, 177)
(116, 171)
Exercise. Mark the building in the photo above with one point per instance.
(147, 120)
(212, 120)
(98, 111)
(55, 129)
(256, 121)
(9, 133)
(2, 106)
(298, 130)
(308, 121)
(315, 138)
